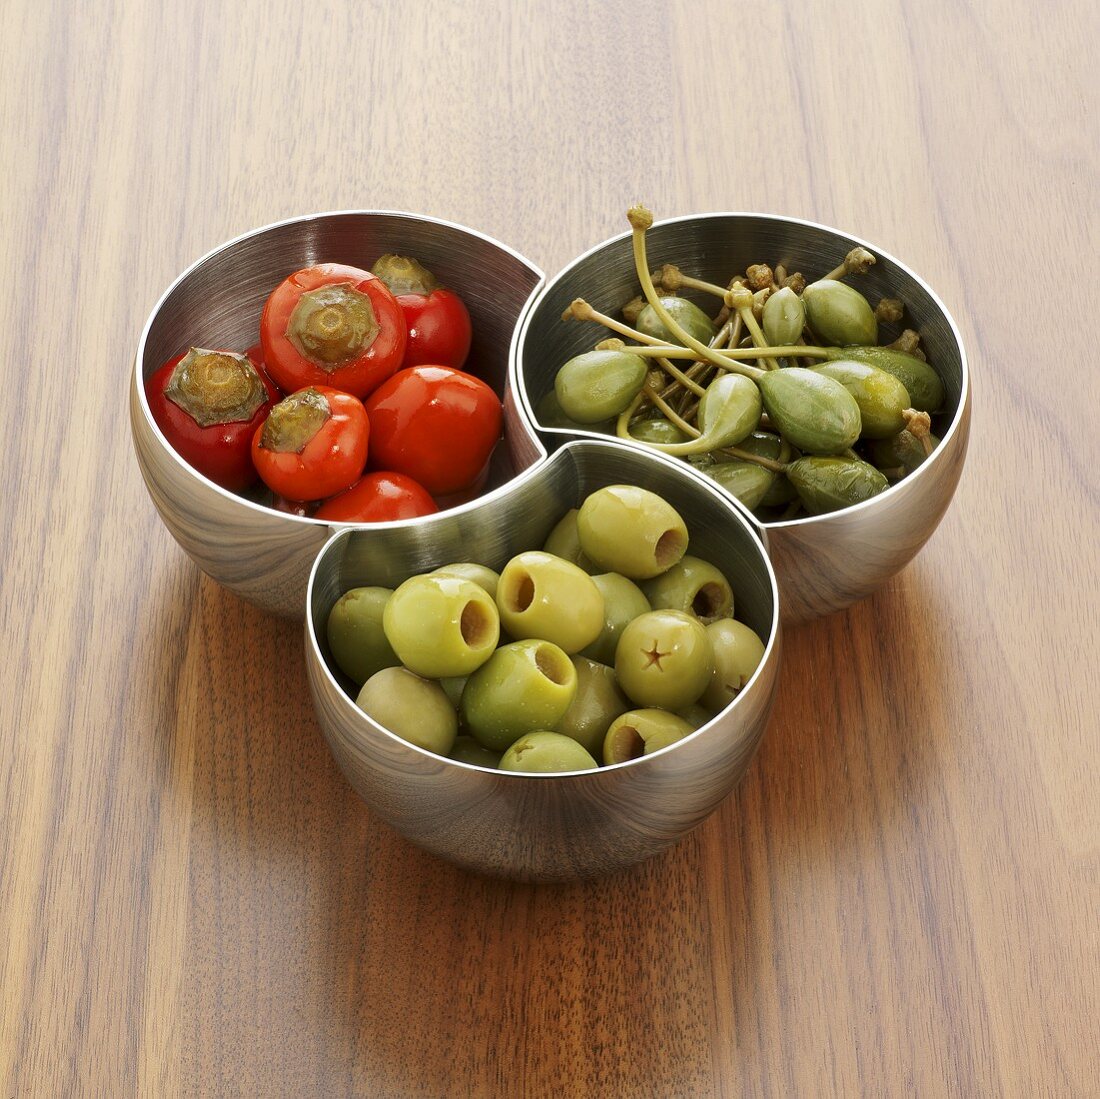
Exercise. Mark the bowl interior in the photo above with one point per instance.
(521, 519)
(715, 247)
(218, 301)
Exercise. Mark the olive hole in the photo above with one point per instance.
(474, 624)
(626, 744)
(670, 548)
(548, 662)
(708, 601)
(522, 594)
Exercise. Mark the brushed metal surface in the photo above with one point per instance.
(825, 562)
(537, 827)
(262, 555)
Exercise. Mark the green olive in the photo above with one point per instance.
(696, 715)
(904, 451)
(623, 601)
(642, 732)
(453, 686)
(922, 383)
(881, 398)
(467, 750)
(355, 636)
(481, 575)
(441, 625)
(563, 541)
(812, 412)
(747, 481)
(737, 653)
(685, 313)
(541, 753)
(524, 686)
(415, 709)
(784, 318)
(693, 586)
(631, 531)
(838, 314)
(596, 704)
(547, 597)
(598, 385)
(657, 431)
(829, 484)
(664, 659)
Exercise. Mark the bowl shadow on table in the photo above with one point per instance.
(454, 976)
(409, 976)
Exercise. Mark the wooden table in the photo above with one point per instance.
(902, 897)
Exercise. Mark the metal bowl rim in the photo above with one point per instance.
(520, 341)
(304, 520)
(538, 470)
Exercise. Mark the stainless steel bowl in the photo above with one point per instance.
(825, 562)
(545, 827)
(264, 555)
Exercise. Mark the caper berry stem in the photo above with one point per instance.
(682, 379)
(855, 262)
(672, 278)
(919, 425)
(580, 310)
(640, 220)
(671, 414)
(775, 465)
(743, 300)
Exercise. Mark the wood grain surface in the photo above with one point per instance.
(902, 898)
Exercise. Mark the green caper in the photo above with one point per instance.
(685, 313)
(766, 445)
(829, 484)
(747, 481)
(812, 412)
(657, 431)
(549, 413)
(881, 398)
(783, 318)
(598, 385)
(923, 384)
(901, 451)
(838, 314)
